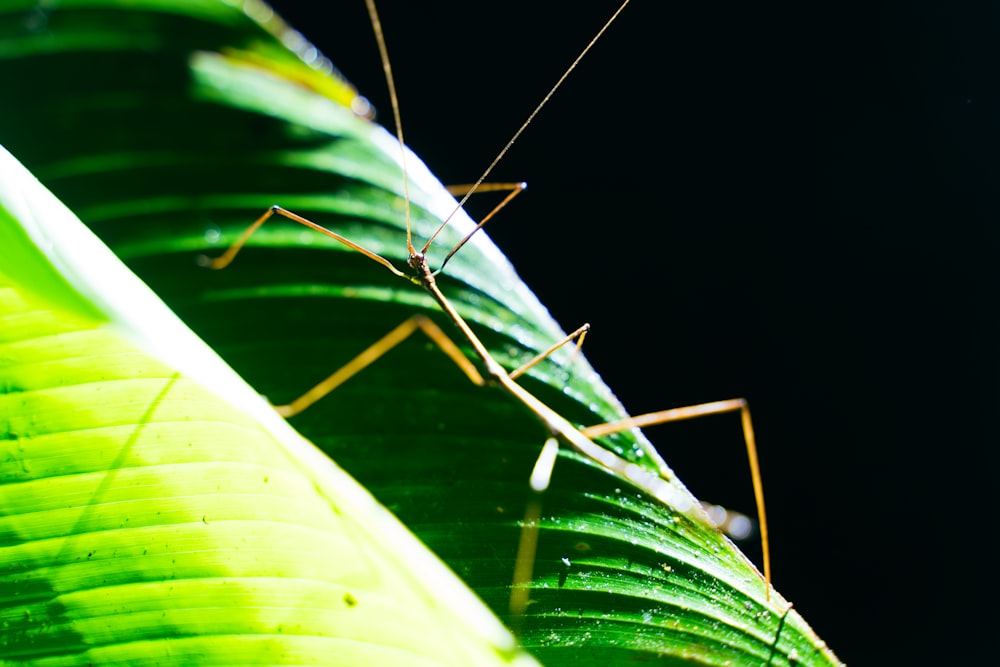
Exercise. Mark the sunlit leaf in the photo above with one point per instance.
(153, 507)
(188, 139)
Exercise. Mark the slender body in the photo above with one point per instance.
(560, 429)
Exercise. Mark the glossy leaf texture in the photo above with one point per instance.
(170, 127)
(153, 508)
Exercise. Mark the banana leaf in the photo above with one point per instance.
(153, 507)
(169, 127)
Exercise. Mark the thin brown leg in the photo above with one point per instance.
(467, 188)
(514, 190)
(375, 351)
(524, 563)
(527, 547)
(577, 335)
(701, 410)
(226, 258)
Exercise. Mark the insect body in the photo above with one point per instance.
(560, 431)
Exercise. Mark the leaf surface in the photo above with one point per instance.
(211, 123)
(143, 516)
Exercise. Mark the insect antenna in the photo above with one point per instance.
(475, 186)
(397, 120)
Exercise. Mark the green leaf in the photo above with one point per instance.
(150, 513)
(196, 121)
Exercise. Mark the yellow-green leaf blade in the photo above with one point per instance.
(144, 518)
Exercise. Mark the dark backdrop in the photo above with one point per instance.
(791, 203)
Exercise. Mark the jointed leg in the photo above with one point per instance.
(467, 188)
(376, 350)
(527, 546)
(226, 258)
(513, 189)
(394, 338)
(577, 335)
(690, 412)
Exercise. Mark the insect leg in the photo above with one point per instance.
(701, 410)
(375, 351)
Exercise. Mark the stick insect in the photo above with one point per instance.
(560, 431)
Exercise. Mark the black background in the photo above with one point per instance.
(791, 203)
